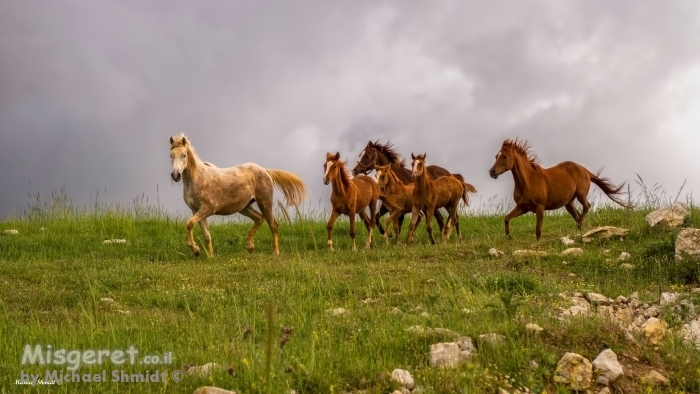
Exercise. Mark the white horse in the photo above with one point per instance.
(209, 190)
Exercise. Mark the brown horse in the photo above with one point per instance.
(396, 197)
(428, 195)
(376, 153)
(538, 189)
(209, 190)
(349, 197)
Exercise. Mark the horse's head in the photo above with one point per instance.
(178, 155)
(504, 162)
(331, 168)
(417, 164)
(367, 161)
(383, 175)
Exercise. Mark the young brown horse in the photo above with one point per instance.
(376, 154)
(349, 197)
(428, 195)
(397, 197)
(538, 189)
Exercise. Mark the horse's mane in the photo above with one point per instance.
(522, 147)
(390, 153)
(182, 141)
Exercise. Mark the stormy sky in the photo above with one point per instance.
(90, 91)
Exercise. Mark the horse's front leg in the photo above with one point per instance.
(207, 236)
(382, 211)
(368, 225)
(438, 218)
(429, 223)
(352, 228)
(539, 212)
(329, 228)
(414, 222)
(517, 211)
(199, 215)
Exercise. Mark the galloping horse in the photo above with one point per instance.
(538, 189)
(397, 197)
(376, 154)
(209, 190)
(428, 195)
(349, 197)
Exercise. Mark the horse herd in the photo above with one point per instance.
(420, 190)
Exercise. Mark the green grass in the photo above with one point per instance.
(55, 271)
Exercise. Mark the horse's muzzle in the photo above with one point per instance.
(493, 174)
(176, 176)
(326, 181)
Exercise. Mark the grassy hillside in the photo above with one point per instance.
(56, 270)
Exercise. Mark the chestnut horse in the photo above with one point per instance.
(396, 197)
(349, 197)
(376, 154)
(209, 190)
(538, 189)
(428, 195)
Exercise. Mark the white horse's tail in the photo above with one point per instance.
(290, 185)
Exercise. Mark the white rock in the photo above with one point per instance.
(669, 217)
(604, 232)
(11, 232)
(668, 298)
(688, 243)
(114, 241)
(491, 338)
(336, 311)
(212, 390)
(445, 354)
(627, 266)
(567, 241)
(624, 256)
(534, 328)
(608, 365)
(493, 252)
(572, 251)
(203, 370)
(403, 377)
(598, 299)
(107, 300)
(691, 332)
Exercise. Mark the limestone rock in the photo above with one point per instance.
(669, 217)
(654, 330)
(495, 253)
(604, 232)
(575, 371)
(572, 251)
(608, 365)
(688, 243)
(403, 377)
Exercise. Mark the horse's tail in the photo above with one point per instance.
(608, 188)
(290, 185)
(467, 188)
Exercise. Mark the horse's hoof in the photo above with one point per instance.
(196, 252)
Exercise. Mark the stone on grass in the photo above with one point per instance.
(567, 241)
(668, 298)
(606, 362)
(627, 266)
(598, 299)
(11, 232)
(493, 252)
(203, 371)
(572, 251)
(690, 332)
(533, 328)
(654, 330)
(403, 377)
(491, 338)
(445, 354)
(654, 378)
(212, 390)
(107, 300)
(688, 244)
(575, 371)
(605, 232)
(624, 256)
(114, 241)
(669, 217)
(336, 311)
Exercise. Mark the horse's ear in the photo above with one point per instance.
(171, 140)
(337, 156)
(425, 155)
(184, 140)
(370, 143)
(413, 157)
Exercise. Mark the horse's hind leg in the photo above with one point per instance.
(438, 218)
(383, 210)
(265, 206)
(329, 228)
(257, 218)
(207, 236)
(573, 212)
(582, 198)
(369, 227)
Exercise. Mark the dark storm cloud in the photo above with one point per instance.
(90, 91)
